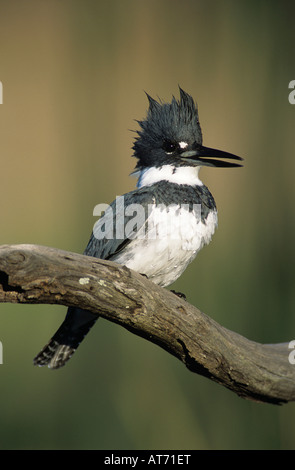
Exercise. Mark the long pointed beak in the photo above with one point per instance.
(205, 156)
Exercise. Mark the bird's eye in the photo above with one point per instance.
(169, 146)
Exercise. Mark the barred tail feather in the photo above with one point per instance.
(54, 355)
(65, 341)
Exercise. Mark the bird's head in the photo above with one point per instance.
(171, 135)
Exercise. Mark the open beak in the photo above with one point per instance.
(205, 156)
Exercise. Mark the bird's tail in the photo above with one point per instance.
(54, 355)
(65, 341)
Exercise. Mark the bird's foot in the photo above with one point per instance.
(144, 275)
(179, 294)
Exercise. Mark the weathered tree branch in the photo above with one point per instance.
(42, 275)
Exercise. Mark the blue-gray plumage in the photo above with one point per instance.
(177, 213)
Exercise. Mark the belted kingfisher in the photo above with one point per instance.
(170, 153)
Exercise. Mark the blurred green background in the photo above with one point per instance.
(74, 75)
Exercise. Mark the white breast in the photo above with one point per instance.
(167, 243)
